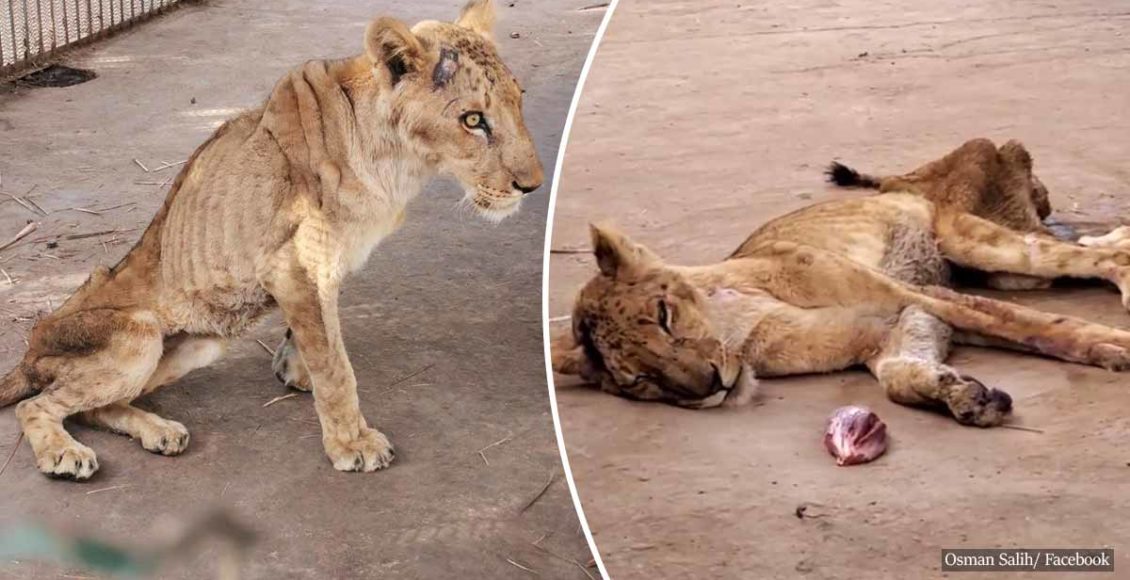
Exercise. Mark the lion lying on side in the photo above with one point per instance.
(845, 283)
(274, 210)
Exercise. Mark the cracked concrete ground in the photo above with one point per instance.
(443, 325)
(700, 121)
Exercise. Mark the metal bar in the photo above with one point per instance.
(54, 28)
(66, 25)
(2, 63)
(23, 52)
(12, 22)
(27, 33)
(39, 23)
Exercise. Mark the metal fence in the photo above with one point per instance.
(30, 30)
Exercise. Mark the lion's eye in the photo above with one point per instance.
(664, 317)
(474, 120)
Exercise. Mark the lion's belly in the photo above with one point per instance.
(222, 311)
(889, 232)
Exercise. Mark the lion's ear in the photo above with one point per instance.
(478, 15)
(1015, 152)
(393, 48)
(616, 255)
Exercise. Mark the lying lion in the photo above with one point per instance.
(274, 210)
(845, 283)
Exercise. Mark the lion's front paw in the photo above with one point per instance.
(288, 366)
(1110, 357)
(369, 452)
(71, 460)
(166, 437)
(745, 389)
(972, 403)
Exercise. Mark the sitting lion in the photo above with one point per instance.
(844, 283)
(275, 209)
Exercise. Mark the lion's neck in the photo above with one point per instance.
(734, 304)
(390, 170)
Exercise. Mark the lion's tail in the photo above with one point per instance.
(15, 386)
(844, 176)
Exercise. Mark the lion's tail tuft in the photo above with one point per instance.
(844, 176)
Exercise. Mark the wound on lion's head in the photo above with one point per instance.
(446, 68)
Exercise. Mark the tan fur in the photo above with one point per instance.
(275, 209)
(834, 285)
(979, 178)
(997, 184)
(1117, 238)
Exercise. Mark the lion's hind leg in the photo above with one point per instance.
(911, 369)
(182, 354)
(289, 368)
(95, 358)
(973, 242)
(156, 434)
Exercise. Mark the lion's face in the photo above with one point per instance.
(459, 106)
(642, 331)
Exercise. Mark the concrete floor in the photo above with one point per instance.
(703, 119)
(443, 325)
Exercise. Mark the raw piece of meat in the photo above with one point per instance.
(855, 435)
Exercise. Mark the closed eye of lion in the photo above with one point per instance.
(834, 285)
(275, 209)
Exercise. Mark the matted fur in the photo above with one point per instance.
(844, 283)
(275, 209)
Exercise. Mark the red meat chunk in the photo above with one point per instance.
(855, 435)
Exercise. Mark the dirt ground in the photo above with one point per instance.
(443, 325)
(701, 120)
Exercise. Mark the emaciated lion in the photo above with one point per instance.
(844, 283)
(275, 209)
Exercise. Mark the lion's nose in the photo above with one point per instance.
(524, 188)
